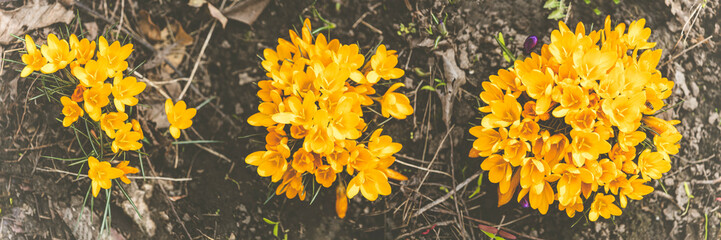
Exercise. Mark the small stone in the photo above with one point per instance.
(690, 104)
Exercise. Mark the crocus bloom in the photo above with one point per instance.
(395, 104)
(84, 49)
(370, 183)
(603, 206)
(58, 54)
(124, 91)
(101, 174)
(179, 116)
(95, 99)
(652, 164)
(126, 139)
(126, 170)
(114, 54)
(93, 74)
(34, 60)
(270, 163)
(383, 63)
(341, 201)
(78, 93)
(71, 110)
(137, 128)
(109, 122)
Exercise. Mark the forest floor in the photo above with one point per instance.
(209, 192)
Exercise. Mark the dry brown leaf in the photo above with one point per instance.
(217, 15)
(147, 27)
(31, 16)
(246, 11)
(196, 3)
(181, 37)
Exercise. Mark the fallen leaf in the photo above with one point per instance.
(246, 11)
(217, 15)
(181, 37)
(147, 27)
(455, 77)
(31, 16)
(196, 3)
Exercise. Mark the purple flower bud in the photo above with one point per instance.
(524, 201)
(530, 43)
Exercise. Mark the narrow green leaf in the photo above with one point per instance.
(269, 221)
(275, 230)
(428, 87)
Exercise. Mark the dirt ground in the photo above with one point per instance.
(226, 199)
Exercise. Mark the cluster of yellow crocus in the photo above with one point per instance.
(577, 120)
(313, 110)
(92, 90)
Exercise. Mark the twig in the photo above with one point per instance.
(686, 50)
(448, 195)
(444, 223)
(130, 177)
(435, 156)
(152, 84)
(200, 55)
(372, 27)
(706, 182)
(422, 168)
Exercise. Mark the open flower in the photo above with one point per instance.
(95, 99)
(58, 54)
(93, 74)
(101, 174)
(124, 91)
(114, 54)
(126, 139)
(179, 116)
(84, 49)
(109, 122)
(370, 183)
(383, 64)
(71, 110)
(34, 60)
(652, 164)
(603, 206)
(126, 170)
(395, 104)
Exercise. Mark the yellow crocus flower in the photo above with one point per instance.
(34, 60)
(114, 54)
(109, 122)
(124, 91)
(101, 174)
(179, 116)
(58, 54)
(126, 139)
(71, 110)
(603, 206)
(95, 99)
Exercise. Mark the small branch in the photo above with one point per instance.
(200, 55)
(706, 182)
(448, 195)
(686, 50)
